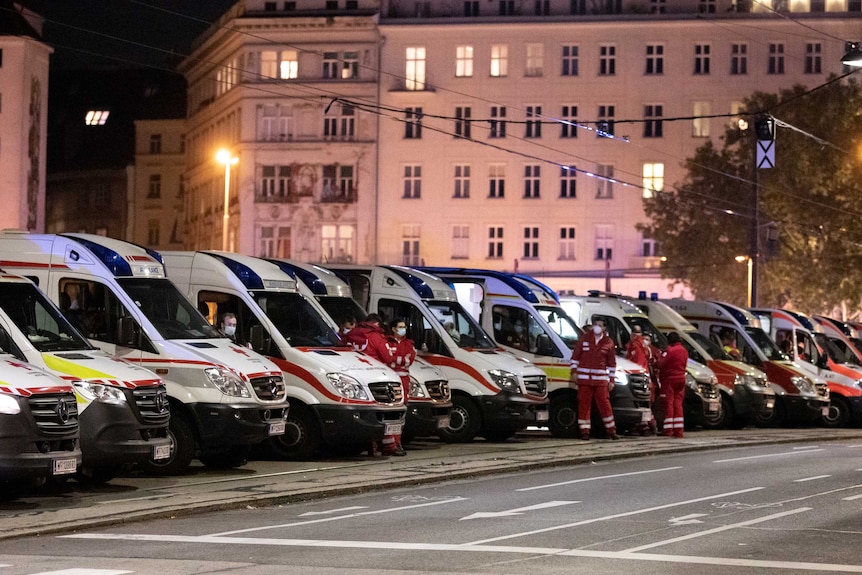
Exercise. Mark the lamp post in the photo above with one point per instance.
(750, 262)
(224, 157)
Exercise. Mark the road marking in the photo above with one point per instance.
(852, 497)
(718, 529)
(811, 478)
(331, 511)
(390, 545)
(687, 519)
(339, 517)
(145, 498)
(768, 455)
(614, 516)
(519, 511)
(85, 572)
(597, 478)
(807, 447)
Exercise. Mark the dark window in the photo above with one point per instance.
(471, 8)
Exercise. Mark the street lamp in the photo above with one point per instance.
(224, 157)
(750, 263)
(853, 56)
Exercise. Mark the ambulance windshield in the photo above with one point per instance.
(169, 311)
(38, 319)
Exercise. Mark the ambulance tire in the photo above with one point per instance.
(301, 437)
(465, 421)
(563, 418)
(723, 418)
(182, 449)
(838, 414)
(776, 418)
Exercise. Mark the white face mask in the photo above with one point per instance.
(646, 343)
(401, 331)
(229, 330)
(345, 330)
(597, 329)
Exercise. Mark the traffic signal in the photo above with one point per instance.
(764, 127)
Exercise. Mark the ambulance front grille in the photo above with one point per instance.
(54, 413)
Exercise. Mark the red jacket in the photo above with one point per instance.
(636, 352)
(403, 356)
(671, 365)
(594, 363)
(370, 339)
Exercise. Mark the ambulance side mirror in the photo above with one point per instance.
(256, 338)
(544, 345)
(126, 333)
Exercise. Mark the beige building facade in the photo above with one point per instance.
(505, 134)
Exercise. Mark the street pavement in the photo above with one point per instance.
(267, 483)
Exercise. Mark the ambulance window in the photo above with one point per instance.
(618, 333)
(419, 328)
(296, 319)
(784, 339)
(561, 324)
(360, 287)
(218, 304)
(806, 349)
(511, 327)
(842, 352)
(692, 352)
(8, 346)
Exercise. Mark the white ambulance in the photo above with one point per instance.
(122, 408)
(223, 397)
(494, 394)
(799, 397)
(429, 400)
(524, 317)
(338, 397)
(746, 394)
(38, 427)
(796, 335)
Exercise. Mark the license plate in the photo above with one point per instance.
(393, 428)
(712, 406)
(646, 417)
(443, 422)
(276, 428)
(542, 415)
(824, 411)
(64, 466)
(161, 452)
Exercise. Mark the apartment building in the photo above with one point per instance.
(506, 134)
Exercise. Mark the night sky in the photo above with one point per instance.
(125, 33)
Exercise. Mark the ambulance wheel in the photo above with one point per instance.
(465, 421)
(775, 418)
(182, 449)
(723, 418)
(235, 456)
(301, 437)
(838, 414)
(563, 418)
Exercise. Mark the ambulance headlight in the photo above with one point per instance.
(9, 405)
(100, 392)
(505, 380)
(620, 378)
(227, 382)
(416, 389)
(347, 387)
(691, 382)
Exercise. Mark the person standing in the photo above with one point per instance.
(635, 350)
(403, 356)
(672, 369)
(369, 338)
(593, 366)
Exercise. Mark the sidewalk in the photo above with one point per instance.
(264, 483)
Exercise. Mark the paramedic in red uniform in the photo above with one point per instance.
(593, 365)
(369, 338)
(671, 375)
(403, 356)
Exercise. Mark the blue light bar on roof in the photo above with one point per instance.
(311, 281)
(415, 282)
(737, 314)
(806, 323)
(115, 263)
(246, 275)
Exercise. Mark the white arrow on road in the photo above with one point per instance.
(687, 519)
(310, 513)
(518, 511)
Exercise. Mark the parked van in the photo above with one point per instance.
(223, 397)
(38, 426)
(799, 398)
(746, 395)
(494, 394)
(795, 334)
(122, 408)
(429, 400)
(524, 317)
(702, 401)
(337, 396)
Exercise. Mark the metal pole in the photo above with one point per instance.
(226, 219)
(750, 277)
(754, 248)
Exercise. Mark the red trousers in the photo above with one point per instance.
(586, 393)
(672, 396)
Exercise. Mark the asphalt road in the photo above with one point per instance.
(787, 509)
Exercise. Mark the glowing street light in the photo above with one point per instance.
(224, 157)
(750, 263)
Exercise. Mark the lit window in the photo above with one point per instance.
(289, 65)
(499, 60)
(653, 179)
(700, 124)
(464, 61)
(415, 68)
(535, 60)
(96, 117)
